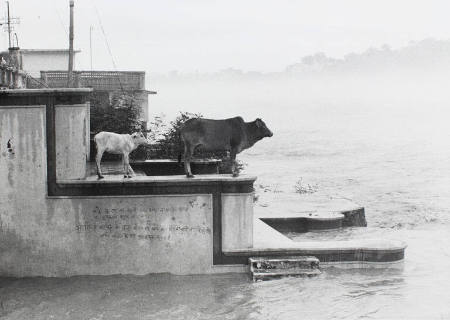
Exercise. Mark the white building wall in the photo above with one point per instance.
(34, 61)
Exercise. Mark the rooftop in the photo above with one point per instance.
(47, 51)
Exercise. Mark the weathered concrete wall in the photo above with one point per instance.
(23, 165)
(129, 235)
(41, 236)
(237, 221)
(72, 140)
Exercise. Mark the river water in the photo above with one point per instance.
(394, 162)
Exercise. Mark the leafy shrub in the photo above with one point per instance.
(302, 188)
(121, 114)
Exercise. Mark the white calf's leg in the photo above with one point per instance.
(131, 170)
(98, 160)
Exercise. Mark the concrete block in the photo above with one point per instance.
(72, 142)
(237, 221)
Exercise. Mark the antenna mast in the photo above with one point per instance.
(9, 26)
(90, 44)
(9, 22)
(70, 72)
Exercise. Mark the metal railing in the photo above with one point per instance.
(98, 80)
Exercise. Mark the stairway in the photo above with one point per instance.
(264, 268)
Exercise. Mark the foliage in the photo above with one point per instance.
(156, 128)
(120, 115)
(171, 138)
(167, 141)
(302, 188)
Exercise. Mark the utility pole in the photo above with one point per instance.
(90, 44)
(9, 23)
(70, 72)
(9, 26)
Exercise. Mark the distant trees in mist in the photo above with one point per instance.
(425, 55)
(428, 55)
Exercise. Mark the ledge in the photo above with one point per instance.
(199, 179)
(149, 185)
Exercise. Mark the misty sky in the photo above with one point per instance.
(209, 35)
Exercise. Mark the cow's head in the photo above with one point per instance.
(262, 129)
(139, 138)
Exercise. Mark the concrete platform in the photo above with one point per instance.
(314, 212)
(274, 216)
(268, 242)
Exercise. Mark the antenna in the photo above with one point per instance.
(70, 72)
(8, 24)
(90, 43)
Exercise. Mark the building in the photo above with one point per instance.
(105, 84)
(36, 60)
(30, 62)
(47, 68)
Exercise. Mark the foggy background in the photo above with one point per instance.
(276, 60)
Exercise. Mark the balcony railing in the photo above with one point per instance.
(98, 80)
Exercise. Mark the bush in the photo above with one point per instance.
(120, 115)
(302, 188)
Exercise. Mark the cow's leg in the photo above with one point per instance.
(126, 165)
(234, 172)
(131, 171)
(98, 160)
(188, 151)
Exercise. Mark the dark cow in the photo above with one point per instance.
(232, 134)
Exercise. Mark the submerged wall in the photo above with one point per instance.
(54, 224)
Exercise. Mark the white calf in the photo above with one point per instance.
(118, 144)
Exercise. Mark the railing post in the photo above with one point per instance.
(44, 77)
(77, 82)
(142, 81)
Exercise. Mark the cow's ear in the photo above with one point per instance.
(258, 122)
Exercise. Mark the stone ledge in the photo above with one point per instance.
(268, 242)
(310, 212)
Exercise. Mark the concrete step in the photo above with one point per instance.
(264, 268)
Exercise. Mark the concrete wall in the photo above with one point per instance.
(72, 140)
(237, 221)
(63, 236)
(36, 60)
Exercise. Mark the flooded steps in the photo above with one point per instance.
(263, 268)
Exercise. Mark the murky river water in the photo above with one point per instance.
(396, 164)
